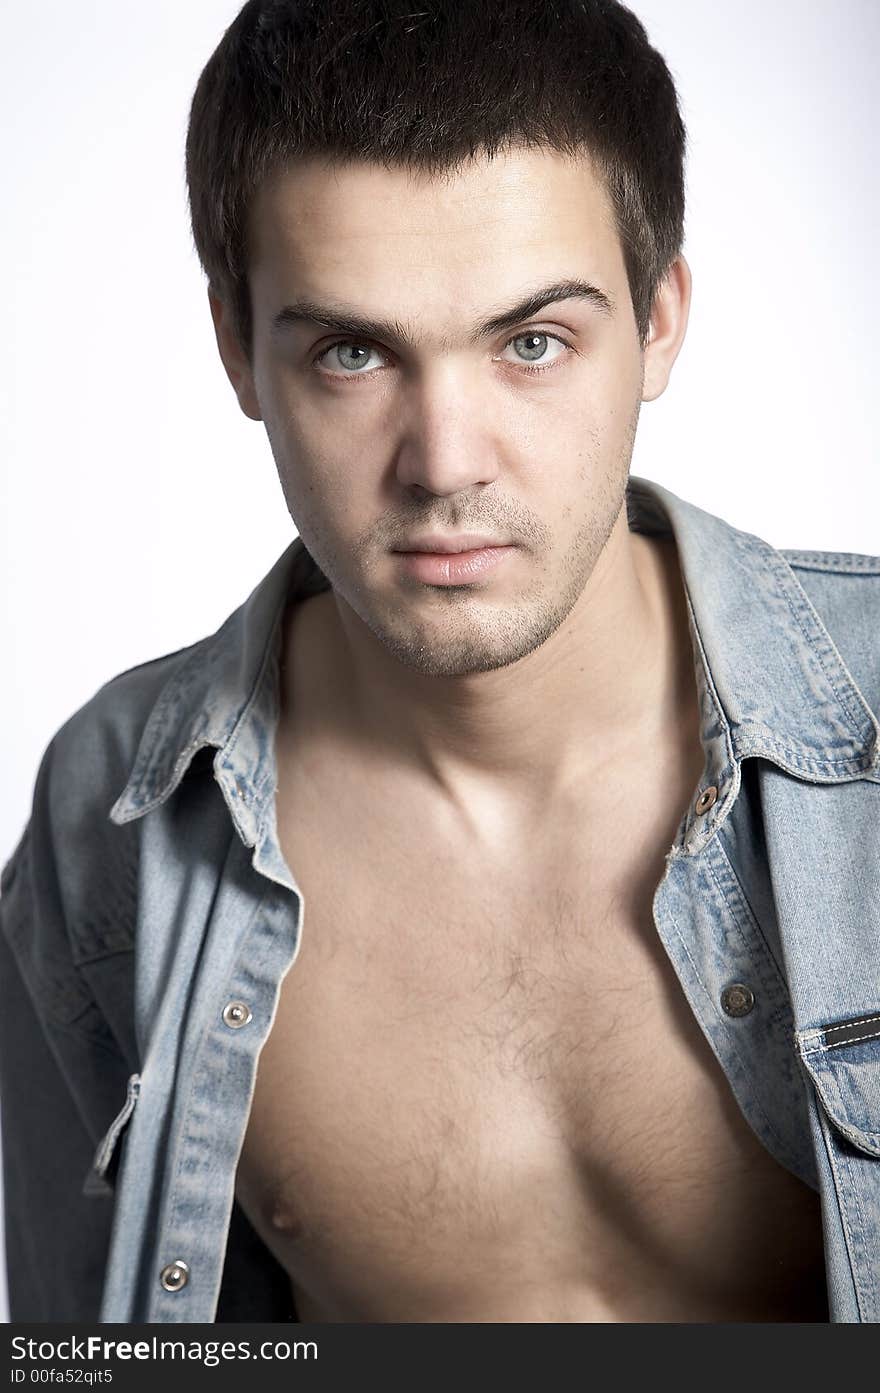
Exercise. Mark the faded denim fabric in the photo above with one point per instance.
(149, 891)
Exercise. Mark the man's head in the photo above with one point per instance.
(373, 80)
(414, 176)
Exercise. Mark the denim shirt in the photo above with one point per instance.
(148, 918)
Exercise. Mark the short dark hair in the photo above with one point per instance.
(426, 90)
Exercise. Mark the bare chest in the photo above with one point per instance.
(484, 1091)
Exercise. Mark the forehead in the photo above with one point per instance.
(364, 232)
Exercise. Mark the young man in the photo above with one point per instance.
(481, 926)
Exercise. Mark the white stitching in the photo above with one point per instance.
(845, 1025)
(838, 1044)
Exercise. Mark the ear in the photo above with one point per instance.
(669, 317)
(238, 369)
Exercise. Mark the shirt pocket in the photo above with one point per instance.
(842, 1061)
(101, 1176)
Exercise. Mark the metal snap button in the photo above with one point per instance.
(706, 799)
(737, 999)
(237, 1014)
(175, 1275)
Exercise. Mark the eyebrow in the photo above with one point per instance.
(349, 321)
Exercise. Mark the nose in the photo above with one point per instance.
(448, 441)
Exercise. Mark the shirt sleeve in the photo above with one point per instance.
(63, 1076)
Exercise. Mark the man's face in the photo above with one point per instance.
(380, 440)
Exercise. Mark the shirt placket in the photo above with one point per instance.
(250, 944)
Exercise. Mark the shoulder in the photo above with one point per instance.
(844, 589)
(102, 736)
(91, 755)
(843, 563)
(69, 889)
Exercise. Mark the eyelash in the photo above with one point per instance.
(523, 333)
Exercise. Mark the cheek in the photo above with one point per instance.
(325, 493)
(308, 440)
(324, 468)
(605, 432)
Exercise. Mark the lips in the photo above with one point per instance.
(445, 546)
(454, 568)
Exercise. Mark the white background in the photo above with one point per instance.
(139, 506)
